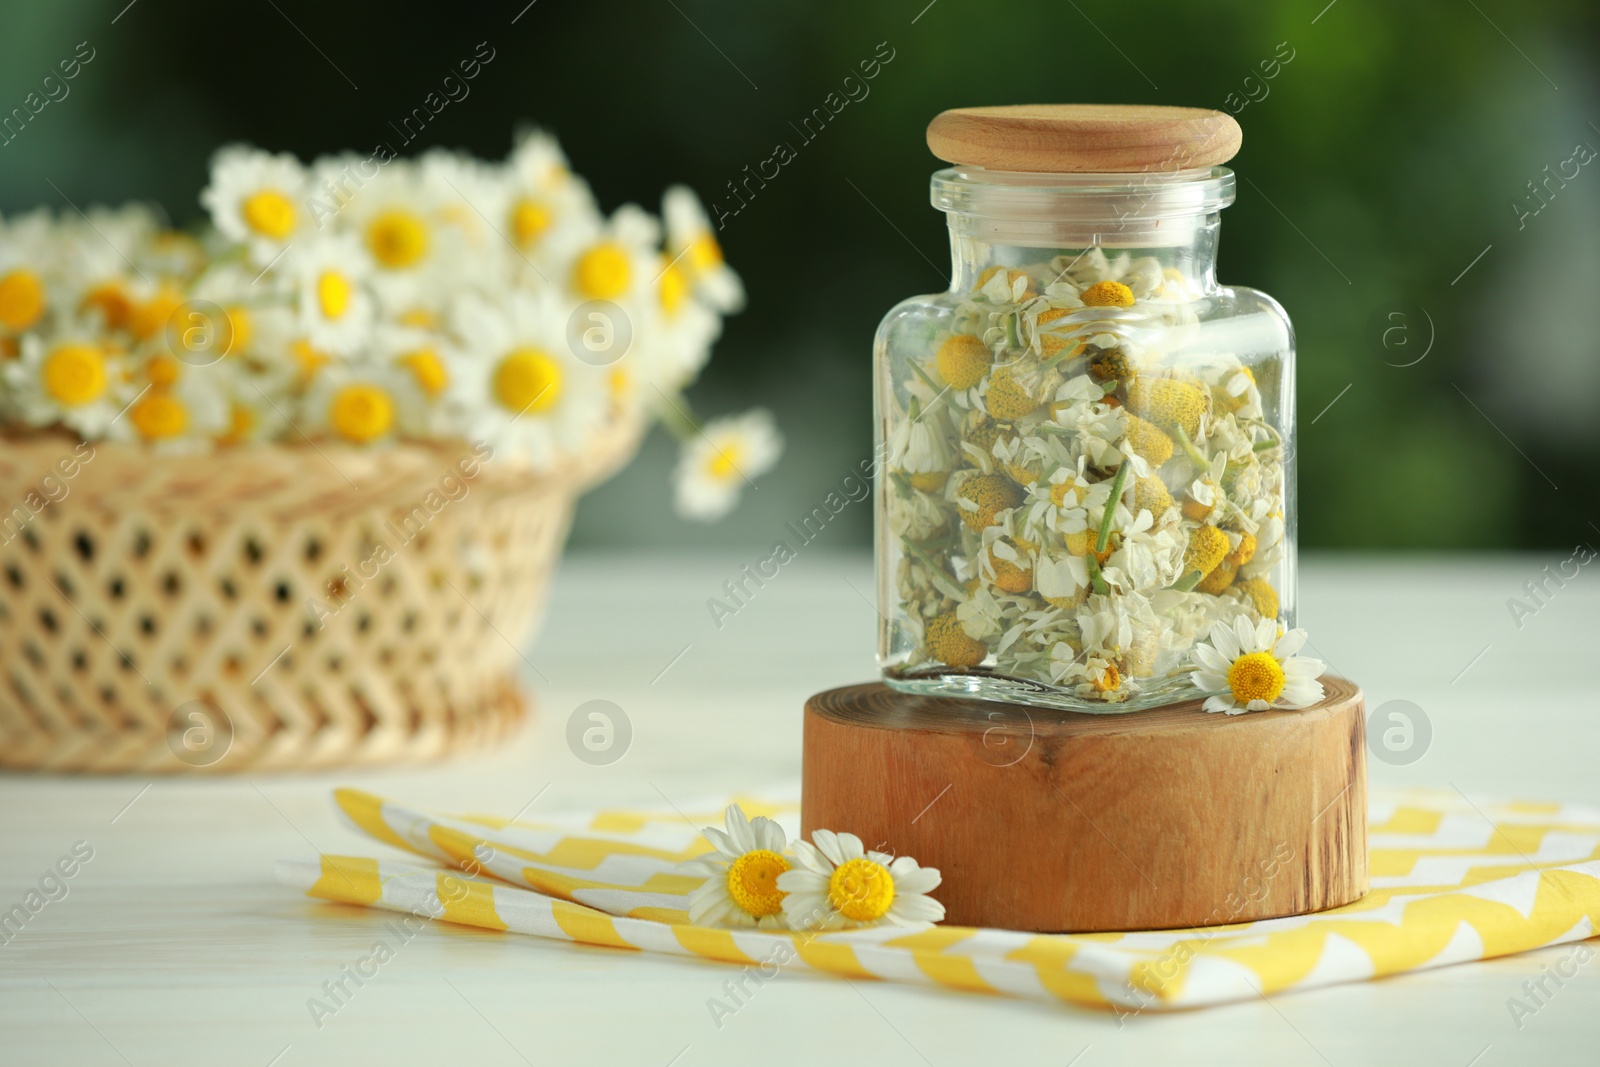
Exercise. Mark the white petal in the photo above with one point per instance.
(768, 834)
(916, 908)
(1298, 695)
(794, 881)
(1219, 703)
(1210, 658)
(1225, 640)
(1266, 634)
(811, 858)
(1304, 668)
(739, 829)
(1289, 643)
(722, 843)
(922, 880)
(1245, 631)
(850, 847)
(827, 843)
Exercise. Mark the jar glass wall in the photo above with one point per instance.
(1088, 445)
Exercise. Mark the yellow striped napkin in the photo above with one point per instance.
(1452, 881)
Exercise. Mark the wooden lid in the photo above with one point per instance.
(1084, 138)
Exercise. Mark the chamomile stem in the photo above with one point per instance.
(1096, 580)
(1117, 485)
(1190, 450)
(938, 390)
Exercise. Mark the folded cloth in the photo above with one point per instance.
(1452, 881)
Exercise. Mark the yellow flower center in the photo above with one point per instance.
(397, 239)
(1067, 494)
(361, 413)
(162, 371)
(1255, 676)
(861, 890)
(724, 462)
(529, 220)
(1108, 294)
(108, 298)
(963, 360)
(421, 318)
(75, 374)
(602, 272)
(240, 329)
(159, 415)
(704, 253)
(753, 882)
(333, 294)
(528, 379)
(428, 370)
(21, 300)
(621, 383)
(270, 214)
(674, 289)
(1110, 679)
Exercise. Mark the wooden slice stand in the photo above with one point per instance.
(1051, 821)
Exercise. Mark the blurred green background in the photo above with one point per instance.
(1386, 172)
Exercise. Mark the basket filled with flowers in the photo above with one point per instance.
(287, 491)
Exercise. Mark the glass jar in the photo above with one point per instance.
(1087, 441)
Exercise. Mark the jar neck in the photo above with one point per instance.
(1014, 219)
(1185, 248)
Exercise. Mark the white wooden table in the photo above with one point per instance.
(174, 946)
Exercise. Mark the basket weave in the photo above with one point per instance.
(253, 582)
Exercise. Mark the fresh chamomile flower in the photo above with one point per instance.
(838, 884)
(28, 255)
(257, 198)
(718, 462)
(546, 212)
(73, 380)
(622, 260)
(178, 408)
(425, 364)
(693, 247)
(1251, 668)
(741, 886)
(335, 311)
(517, 383)
(357, 404)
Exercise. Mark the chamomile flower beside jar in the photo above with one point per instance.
(1089, 438)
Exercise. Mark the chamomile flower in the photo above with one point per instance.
(177, 409)
(621, 262)
(741, 886)
(27, 261)
(519, 384)
(693, 247)
(74, 381)
(334, 308)
(718, 462)
(361, 404)
(1251, 668)
(838, 884)
(547, 212)
(257, 198)
(919, 446)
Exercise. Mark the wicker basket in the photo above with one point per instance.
(238, 611)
